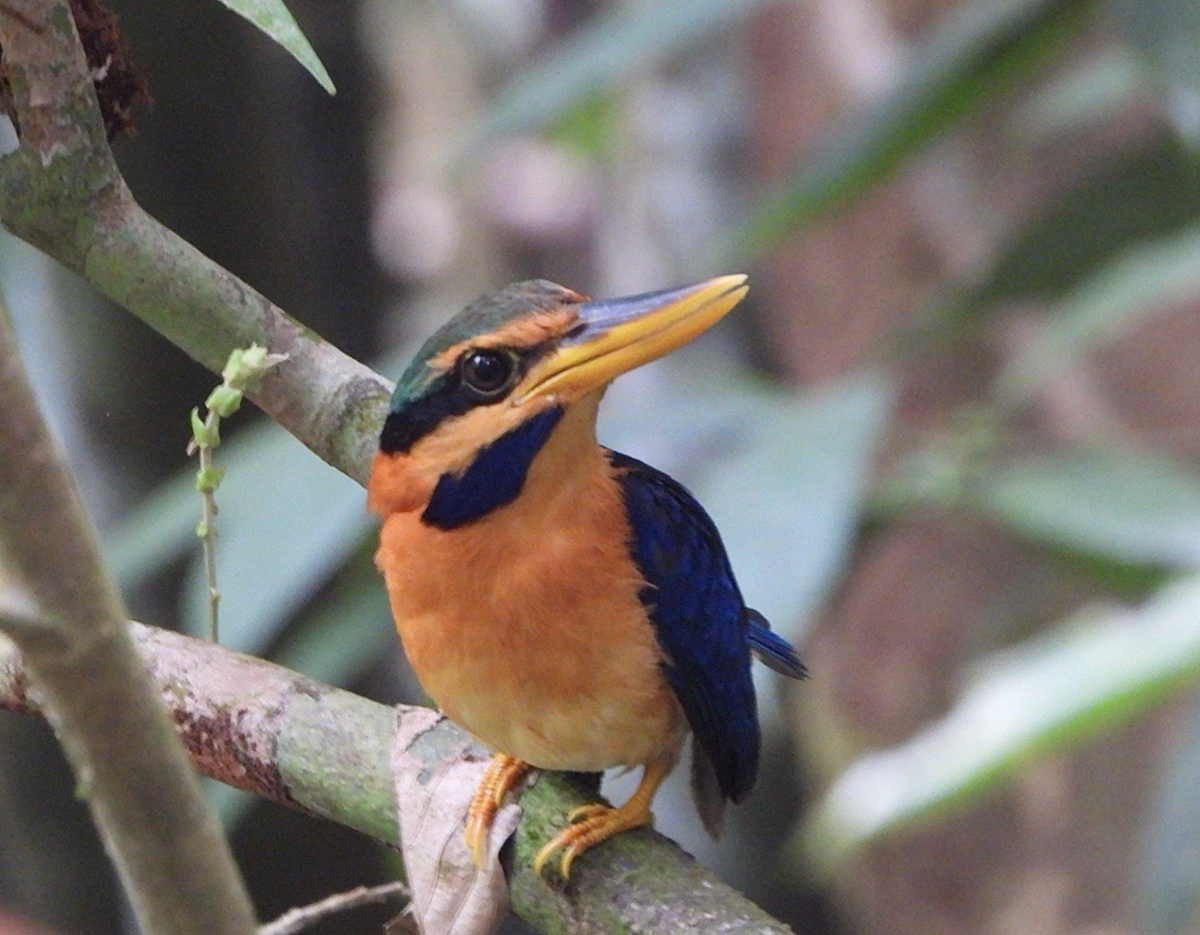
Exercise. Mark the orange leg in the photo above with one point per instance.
(591, 824)
(502, 774)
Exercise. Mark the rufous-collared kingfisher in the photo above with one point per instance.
(570, 606)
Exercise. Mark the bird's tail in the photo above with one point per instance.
(771, 649)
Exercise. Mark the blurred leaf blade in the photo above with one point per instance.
(161, 529)
(982, 49)
(1134, 506)
(274, 19)
(791, 492)
(346, 630)
(620, 41)
(1094, 671)
(1141, 281)
(1149, 194)
(286, 523)
(1166, 35)
(1089, 92)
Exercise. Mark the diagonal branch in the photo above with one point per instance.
(61, 190)
(325, 751)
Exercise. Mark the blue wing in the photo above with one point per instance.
(700, 620)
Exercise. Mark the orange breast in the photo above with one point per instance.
(525, 626)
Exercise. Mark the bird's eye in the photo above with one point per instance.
(489, 372)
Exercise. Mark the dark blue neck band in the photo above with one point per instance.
(494, 478)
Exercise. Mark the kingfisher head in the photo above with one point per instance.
(486, 391)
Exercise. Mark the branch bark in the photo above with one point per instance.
(325, 751)
(66, 615)
(61, 190)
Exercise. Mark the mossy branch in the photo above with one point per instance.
(59, 605)
(61, 191)
(325, 751)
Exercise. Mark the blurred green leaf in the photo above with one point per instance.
(788, 494)
(273, 18)
(1143, 280)
(1133, 506)
(1095, 671)
(620, 41)
(286, 522)
(1143, 195)
(1169, 875)
(334, 640)
(1091, 90)
(588, 125)
(1166, 34)
(983, 48)
(346, 629)
(161, 529)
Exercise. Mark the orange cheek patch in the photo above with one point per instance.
(394, 485)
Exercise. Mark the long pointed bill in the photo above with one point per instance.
(613, 336)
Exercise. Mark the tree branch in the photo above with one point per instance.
(325, 751)
(62, 192)
(63, 611)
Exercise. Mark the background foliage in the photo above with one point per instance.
(952, 441)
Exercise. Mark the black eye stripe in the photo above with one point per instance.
(448, 396)
(403, 429)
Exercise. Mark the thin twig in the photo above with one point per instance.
(300, 918)
(207, 530)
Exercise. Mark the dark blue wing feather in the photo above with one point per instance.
(700, 620)
(773, 650)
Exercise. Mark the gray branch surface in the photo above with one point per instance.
(325, 752)
(58, 603)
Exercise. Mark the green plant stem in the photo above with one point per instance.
(62, 610)
(209, 521)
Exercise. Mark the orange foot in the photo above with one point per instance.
(591, 824)
(502, 774)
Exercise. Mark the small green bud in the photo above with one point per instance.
(203, 434)
(253, 358)
(202, 530)
(246, 366)
(199, 429)
(209, 479)
(233, 366)
(224, 401)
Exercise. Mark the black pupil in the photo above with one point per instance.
(487, 371)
